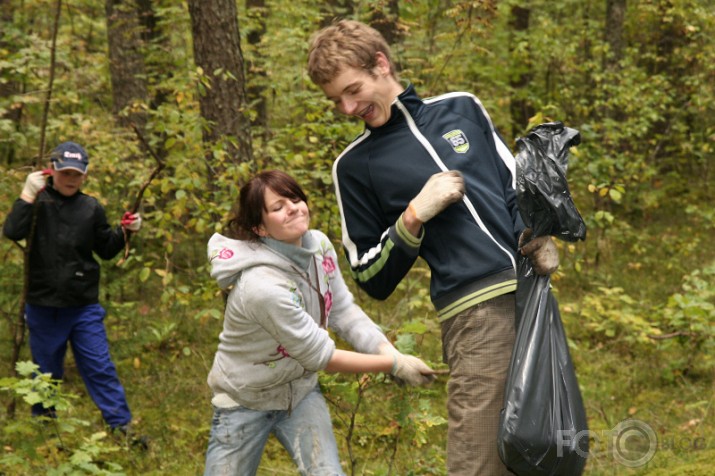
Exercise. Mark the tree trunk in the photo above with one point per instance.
(126, 62)
(613, 37)
(9, 87)
(217, 51)
(257, 77)
(385, 20)
(613, 32)
(521, 108)
(158, 66)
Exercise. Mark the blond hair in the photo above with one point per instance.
(345, 44)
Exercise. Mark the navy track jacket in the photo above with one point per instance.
(470, 247)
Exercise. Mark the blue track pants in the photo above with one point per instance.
(83, 327)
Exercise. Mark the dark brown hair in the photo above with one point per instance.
(247, 213)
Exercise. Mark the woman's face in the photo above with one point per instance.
(284, 219)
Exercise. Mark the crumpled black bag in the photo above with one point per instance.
(543, 428)
(542, 193)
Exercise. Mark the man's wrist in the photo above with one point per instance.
(411, 222)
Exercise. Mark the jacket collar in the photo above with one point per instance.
(300, 255)
(410, 100)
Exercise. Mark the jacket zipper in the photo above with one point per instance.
(435, 157)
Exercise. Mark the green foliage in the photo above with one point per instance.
(36, 388)
(616, 387)
(611, 315)
(688, 322)
(407, 420)
(636, 297)
(46, 443)
(681, 327)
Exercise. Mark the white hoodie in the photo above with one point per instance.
(272, 344)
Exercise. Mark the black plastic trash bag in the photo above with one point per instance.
(542, 194)
(543, 428)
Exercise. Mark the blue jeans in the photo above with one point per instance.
(51, 328)
(238, 436)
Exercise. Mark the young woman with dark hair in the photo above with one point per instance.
(285, 291)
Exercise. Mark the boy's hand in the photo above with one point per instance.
(131, 221)
(33, 184)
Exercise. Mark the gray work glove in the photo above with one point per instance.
(440, 191)
(541, 251)
(33, 184)
(408, 368)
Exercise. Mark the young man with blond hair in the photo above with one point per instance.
(432, 178)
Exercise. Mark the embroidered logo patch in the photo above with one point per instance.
(457, 140)
(72, 155)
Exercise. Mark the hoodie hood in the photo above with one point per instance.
(229, 257)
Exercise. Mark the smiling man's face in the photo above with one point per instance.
(356, 92)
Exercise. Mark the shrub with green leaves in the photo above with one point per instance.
(687, 323)
(52, 445)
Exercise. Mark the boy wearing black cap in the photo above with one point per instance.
(63, 292)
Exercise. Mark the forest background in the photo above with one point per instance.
(184, 100)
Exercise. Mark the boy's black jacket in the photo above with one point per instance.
(63, 270)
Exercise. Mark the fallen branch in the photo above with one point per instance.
(671, 335)
(137, 202)
(437, 372)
